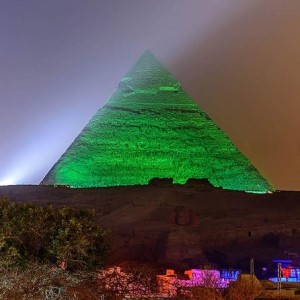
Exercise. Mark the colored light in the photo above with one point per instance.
(8, 181)
(150, 128)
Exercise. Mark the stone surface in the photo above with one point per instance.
(141, 229)
(184, 216)
(150, 128)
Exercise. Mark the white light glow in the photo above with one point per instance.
(8, 181)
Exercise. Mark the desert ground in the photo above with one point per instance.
(184, 225)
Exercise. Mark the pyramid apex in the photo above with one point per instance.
(149, 72)
(147, 52)
(147, 56)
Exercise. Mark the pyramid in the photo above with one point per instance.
(150, 128)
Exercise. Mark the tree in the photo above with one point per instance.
(66, 236)
(138, 282)
(206, 287)
(247, 287)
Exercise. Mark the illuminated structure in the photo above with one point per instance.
(286, 272)
(208, 278)
(150, 128)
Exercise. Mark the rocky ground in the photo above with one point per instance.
(184, 225)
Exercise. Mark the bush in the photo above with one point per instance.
(131, 281)
(63, 236)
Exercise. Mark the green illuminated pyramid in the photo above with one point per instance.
(150, 128)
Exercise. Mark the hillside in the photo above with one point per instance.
(183, 225)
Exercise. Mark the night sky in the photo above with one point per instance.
(61, 59)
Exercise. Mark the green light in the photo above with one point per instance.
(150, 128)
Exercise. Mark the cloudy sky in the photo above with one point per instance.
(61, 59)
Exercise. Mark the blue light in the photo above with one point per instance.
(230, 274)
